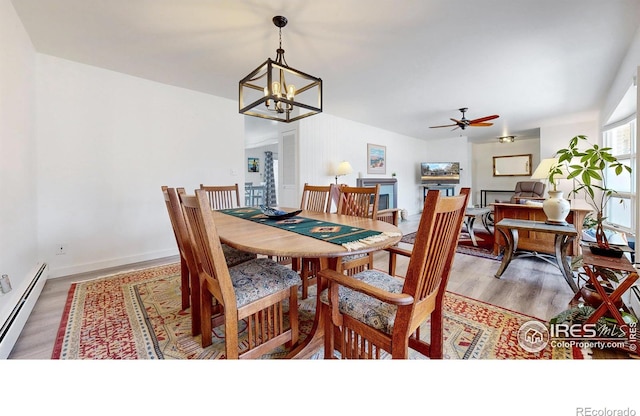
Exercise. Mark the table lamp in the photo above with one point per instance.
(344, 168)
(556, 208)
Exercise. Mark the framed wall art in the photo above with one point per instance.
(512, 165)
(376, 159)
(253, 164)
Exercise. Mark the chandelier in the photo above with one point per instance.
(276, 91)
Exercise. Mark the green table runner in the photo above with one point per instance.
(352, 238)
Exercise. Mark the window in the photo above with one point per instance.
(621, 138)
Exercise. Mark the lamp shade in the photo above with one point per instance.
(543, 169)
(344, 168)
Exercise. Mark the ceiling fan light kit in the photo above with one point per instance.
(275, 91)
(507, 139)
(463, 123)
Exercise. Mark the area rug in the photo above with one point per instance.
(136, 315)
(465, 245)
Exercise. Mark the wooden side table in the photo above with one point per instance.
(592, 265)
(563, 237)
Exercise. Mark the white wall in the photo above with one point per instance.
(625, 77)
(326, 140)
(18, 209)
(106, 143)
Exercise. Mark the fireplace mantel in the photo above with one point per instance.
(388, 186)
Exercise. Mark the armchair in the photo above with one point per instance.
(374, 311)
(528, 190)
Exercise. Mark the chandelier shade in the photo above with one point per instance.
(275, 91)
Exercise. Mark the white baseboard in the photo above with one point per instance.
(106, 264)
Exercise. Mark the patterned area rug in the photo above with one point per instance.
(465, 245)
(136, 315)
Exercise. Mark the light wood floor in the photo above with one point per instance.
(528, 286)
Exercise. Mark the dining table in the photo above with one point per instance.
(261, 238)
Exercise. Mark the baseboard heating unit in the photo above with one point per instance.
(14, 321)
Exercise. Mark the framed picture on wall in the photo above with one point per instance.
(376, 159)
(254, 164)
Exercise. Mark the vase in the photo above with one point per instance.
(556, 208)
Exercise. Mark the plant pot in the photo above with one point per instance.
(614, 252)
(593, 298)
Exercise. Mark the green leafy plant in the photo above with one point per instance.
(587, 168)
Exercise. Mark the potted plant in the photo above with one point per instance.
(587, 168)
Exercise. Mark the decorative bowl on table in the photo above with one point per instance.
(592, 297)
(276, 214)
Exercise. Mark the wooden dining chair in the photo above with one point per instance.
(358, 202)
(255, 291)
(315, 198)
(182, 239)
(189, 280)
(390, 215)
(226, 197)
(374, 311)
(222, 197)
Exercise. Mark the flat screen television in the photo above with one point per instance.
(440, 173)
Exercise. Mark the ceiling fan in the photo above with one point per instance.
(463, 123)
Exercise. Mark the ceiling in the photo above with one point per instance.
(400, 65)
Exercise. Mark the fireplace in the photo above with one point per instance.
(383, 201)
(388, 190)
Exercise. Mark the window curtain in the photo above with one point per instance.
(269, 179)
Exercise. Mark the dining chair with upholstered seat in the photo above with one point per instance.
(182, 239)
(189, 280)
(222, 197)
(226, 197)
(315, 198)
(374, 311)
(358, 202)
(255, 291)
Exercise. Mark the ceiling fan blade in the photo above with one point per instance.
(447, 125)
(481, 124)
(480, 120)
